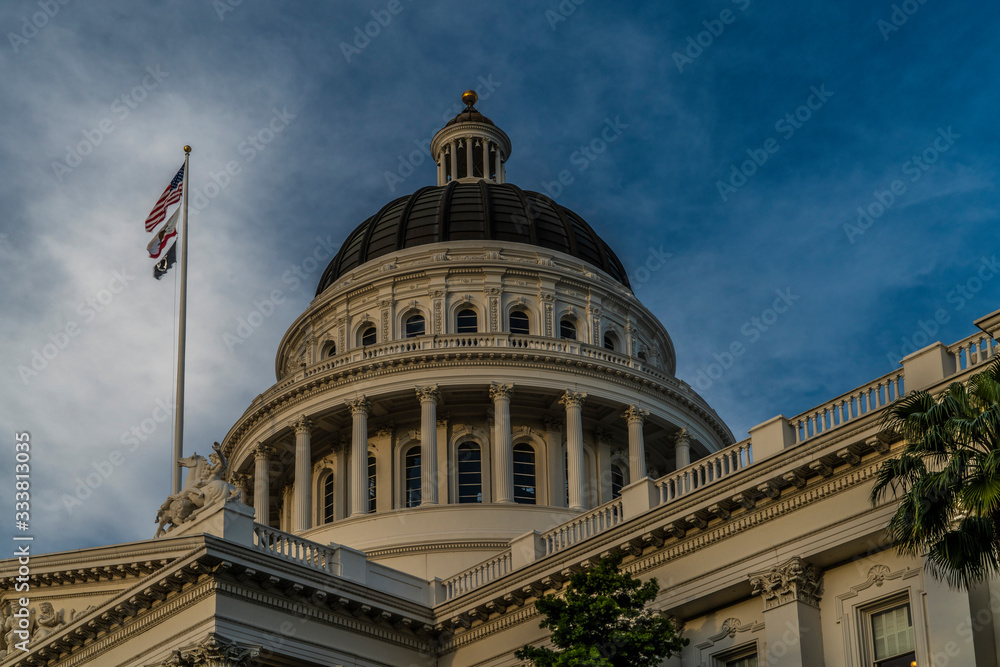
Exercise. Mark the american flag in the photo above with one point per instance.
(170, 196)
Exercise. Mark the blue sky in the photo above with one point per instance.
(827, 106)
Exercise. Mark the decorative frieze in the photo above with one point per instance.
(795, 580)
(213, 651)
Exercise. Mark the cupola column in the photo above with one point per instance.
(262, 484)
(499, 162)
(454, 160)
(573, 400)
(636, 445)
(302, 513)
(359, 455)
(469, 152)
(486, 159)
(428, 397)
(503, 455)
(682, 449)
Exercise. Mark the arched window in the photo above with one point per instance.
(567, 328)
(519, 322)
(610, 342)
(470, 473)
(617, 480)
(328, 498)
(331, 350)
(371, 484)
(524, 474)
(642, 357)
(414, 326)
(411, 477)
(467, 321)
(368, 335)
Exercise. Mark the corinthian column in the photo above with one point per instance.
(302, 515)
(636, 445)
(791, 593)
(573, 400)
(428, 444)
(503, 456)
(262, 483)
(359, 455)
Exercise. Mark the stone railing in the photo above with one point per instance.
(478, 575)
(855, 403)
(293, 548)
(582, 527)
(702, 472)
(972, 351)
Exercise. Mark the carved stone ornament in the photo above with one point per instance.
(573, 398)
(795, 580)
(213, 651)
(636, 414)
(204, 487)
(429, 393)
(498, 390)
(359, 405)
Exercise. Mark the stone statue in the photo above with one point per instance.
(204, 487)
(47, 621)
(7, 625)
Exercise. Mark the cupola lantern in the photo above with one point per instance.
(470, 147)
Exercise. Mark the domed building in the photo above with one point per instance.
(473, 407)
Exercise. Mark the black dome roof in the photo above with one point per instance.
(477, 211)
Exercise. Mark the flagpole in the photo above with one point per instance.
(181, 336)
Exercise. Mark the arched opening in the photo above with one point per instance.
(367, 335)
(518, 321)
(610, 342)
(414, 326)
(467, 321)
(567, 328)
(525, 491)
(642, 356)
(371, 484)
(617, 480)
(331, 350)
(411, 477)
(328, 499)
(470, 473)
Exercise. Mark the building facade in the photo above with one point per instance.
(474, 407)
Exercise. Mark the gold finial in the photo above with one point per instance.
(469, 97)
(187, 149)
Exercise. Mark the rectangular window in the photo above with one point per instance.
(748, 661)
(892, 637)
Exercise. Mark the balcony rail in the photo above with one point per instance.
(972, 351)
(846, 407)
(478, 575)
(703, 472)
(293, 548)
(582, 527)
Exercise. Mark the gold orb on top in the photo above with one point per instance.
(187, 149)
(469, 97)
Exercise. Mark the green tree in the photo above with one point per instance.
(947, 478)
(602, 621)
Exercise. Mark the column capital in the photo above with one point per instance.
(795, 580)
(213, 651)
(429, 393)
(301, 425)
(242, 482)
(635, 414)
(573, 398)
(682, 438)
(262, 451)
(500, 390)
(359, 405)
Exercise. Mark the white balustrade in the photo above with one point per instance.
(293, 548)
(846, 407)
(478, 575)
(582, 527)
(712, 468)
(972, 351)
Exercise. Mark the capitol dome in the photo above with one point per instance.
(474, 368)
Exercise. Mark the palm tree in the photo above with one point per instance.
(947, 478)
